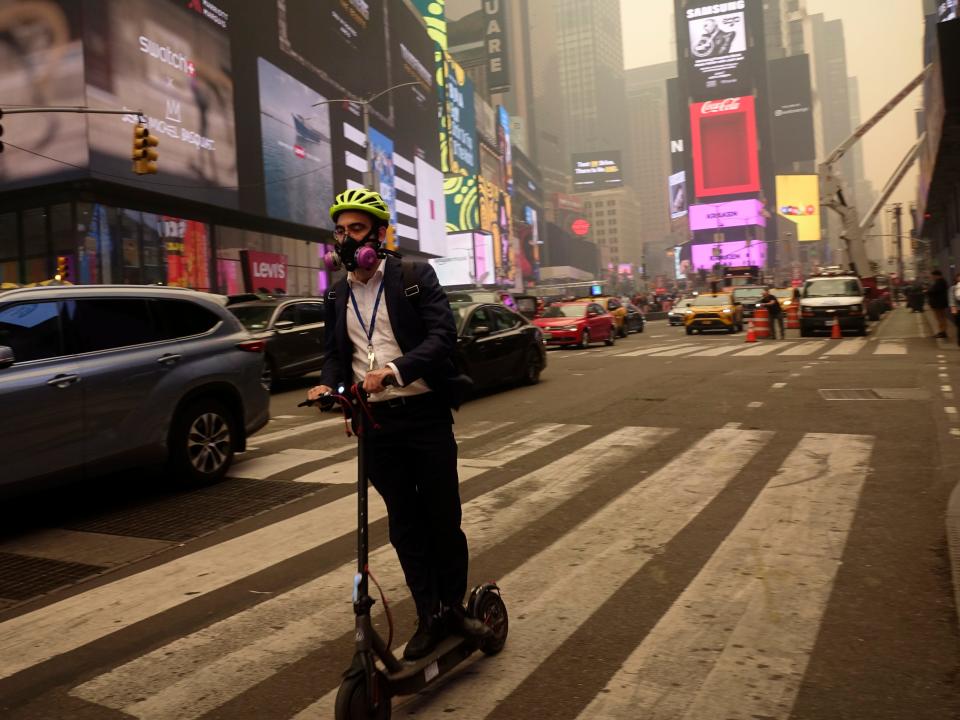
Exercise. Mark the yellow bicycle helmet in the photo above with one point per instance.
(363, 200)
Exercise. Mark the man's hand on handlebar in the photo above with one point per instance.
(377, 380)
(314, 393)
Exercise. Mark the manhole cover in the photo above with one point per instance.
(24, 576)
(196, 513)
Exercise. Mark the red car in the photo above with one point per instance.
(576, 323)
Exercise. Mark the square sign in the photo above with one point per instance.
(718, 48)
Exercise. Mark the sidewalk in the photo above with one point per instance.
(948, 344)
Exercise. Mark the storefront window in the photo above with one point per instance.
(35, 245)
(95, 251)
(128, 235)
(187, 245)
(154, 250)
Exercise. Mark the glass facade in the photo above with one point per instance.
(92, 243)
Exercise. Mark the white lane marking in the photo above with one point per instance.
(537, 437)
(563, 585)
(848, 347)
(943, 375)
(261, 439)
(478, 428)
(199, 672)
(737, 642)
(657, 336)
(805, 348)
(794, 375)
(824, 357)
(647, 351)
(71, 623)
(675, 352)
(714, 352)
(805, 367)
(777, 386)
(263, 467)
(955, 432)
(946, 388)
(950, 410)
(761, 349)
(733, 426)
(755, 405)
(891, 347)
(283, 417)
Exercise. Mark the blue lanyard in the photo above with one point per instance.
(373, 320)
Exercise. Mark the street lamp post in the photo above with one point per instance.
(368, 179)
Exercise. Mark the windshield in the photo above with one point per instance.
(747, 296)
(560, 311)
(710, 300)
(253, 317)
(834, 287)
(782, 293)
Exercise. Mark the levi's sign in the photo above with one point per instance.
(264, 270)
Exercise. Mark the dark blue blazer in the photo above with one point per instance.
(422, 323)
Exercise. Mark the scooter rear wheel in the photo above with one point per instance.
(492, 612)
(352, 702)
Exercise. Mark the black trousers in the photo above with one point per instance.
(412, 462)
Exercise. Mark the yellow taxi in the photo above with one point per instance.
(713, 311)
(615, 307)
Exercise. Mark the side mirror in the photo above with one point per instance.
(481, 331)
(283, 325)
(6, 357)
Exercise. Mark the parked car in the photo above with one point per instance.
(635, 321)
(482, 296)
(713, 311)
(100, 378)
(293, 331)
(616, 309)
(576, 323)
(677, 313)
(496, 345)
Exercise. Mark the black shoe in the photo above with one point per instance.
(428, 635)
(459, 623)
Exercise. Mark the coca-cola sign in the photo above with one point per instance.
(720, 106)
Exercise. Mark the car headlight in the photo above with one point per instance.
(571, 328)
(727, 310)
(689, 312)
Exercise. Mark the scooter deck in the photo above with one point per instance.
(415, 675)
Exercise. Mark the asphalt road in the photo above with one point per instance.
(683, 527)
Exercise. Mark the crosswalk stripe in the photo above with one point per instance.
(647, 351)
(262, 467)
(234, 654)
(674, 352)
(848, 347)
(761, 349)
(76, 621)
(562, 586)
(805, 348)
(260, 439)
(537, 436)
(714, 352)
(478, 428)
(890, 347)
(736, 643)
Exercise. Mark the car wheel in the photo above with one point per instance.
(532, 369)
(585, 339)
(611, 336)
(861, 330)
(201, 443)
(622, 330)
(732, 329)
(269, 378)
(805, 332)
(689, 331)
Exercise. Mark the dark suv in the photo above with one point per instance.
(101, 378)
(293, 331)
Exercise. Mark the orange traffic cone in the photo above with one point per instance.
(751, 335)
(835, 334)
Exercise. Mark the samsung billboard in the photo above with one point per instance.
(717, 37)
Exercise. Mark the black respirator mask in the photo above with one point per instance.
(352, 254)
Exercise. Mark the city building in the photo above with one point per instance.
(614, 217)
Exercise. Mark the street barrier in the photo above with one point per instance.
(793, 317)
(761, 323)
(751, 335)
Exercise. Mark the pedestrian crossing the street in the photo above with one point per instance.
(565, 516)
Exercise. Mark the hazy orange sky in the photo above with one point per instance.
(884, 50)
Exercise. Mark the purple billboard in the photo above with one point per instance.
(706, 255)
(737, 213)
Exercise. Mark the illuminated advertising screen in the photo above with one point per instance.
(41, 63)
(597, 171)
(948, 10)
(737, 213)
(173, 64)
(463, 202)
(679, 126)
(791, 110)
(705, 256)
(798, 200)
(718, 47)
(458, 139)
(295, 139)
(456, 268)
(483, 259)
(495, 219)
(678, 195)
(724, 138)
(431, 208)
(503, 144)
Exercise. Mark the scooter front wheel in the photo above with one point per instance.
(488, 607)
(352, 701)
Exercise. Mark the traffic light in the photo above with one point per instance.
(144, 152)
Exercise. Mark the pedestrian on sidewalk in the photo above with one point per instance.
(953, 298)
(937, 297)
(770, 302)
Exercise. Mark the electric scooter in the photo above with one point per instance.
(367, 686)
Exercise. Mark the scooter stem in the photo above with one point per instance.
(362, 539)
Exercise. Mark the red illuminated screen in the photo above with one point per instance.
(724, 135)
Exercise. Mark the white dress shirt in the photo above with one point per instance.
(385, 346)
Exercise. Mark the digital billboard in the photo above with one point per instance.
(462, 202)
(597, 171)
(677, 186)
(791, 110)
(45, 67)
(736, 213)
(456, 267)
(704, 256)
(679, 126)
(483, 259)
(495, 219)
(724, 138)
(798, 200)
(717, 33)
(431, 208)
(458, 138)
(295, 140)
(948, 10)
(174, 66)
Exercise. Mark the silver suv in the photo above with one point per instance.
(100, 378)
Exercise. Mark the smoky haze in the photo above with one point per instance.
(884, 52)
